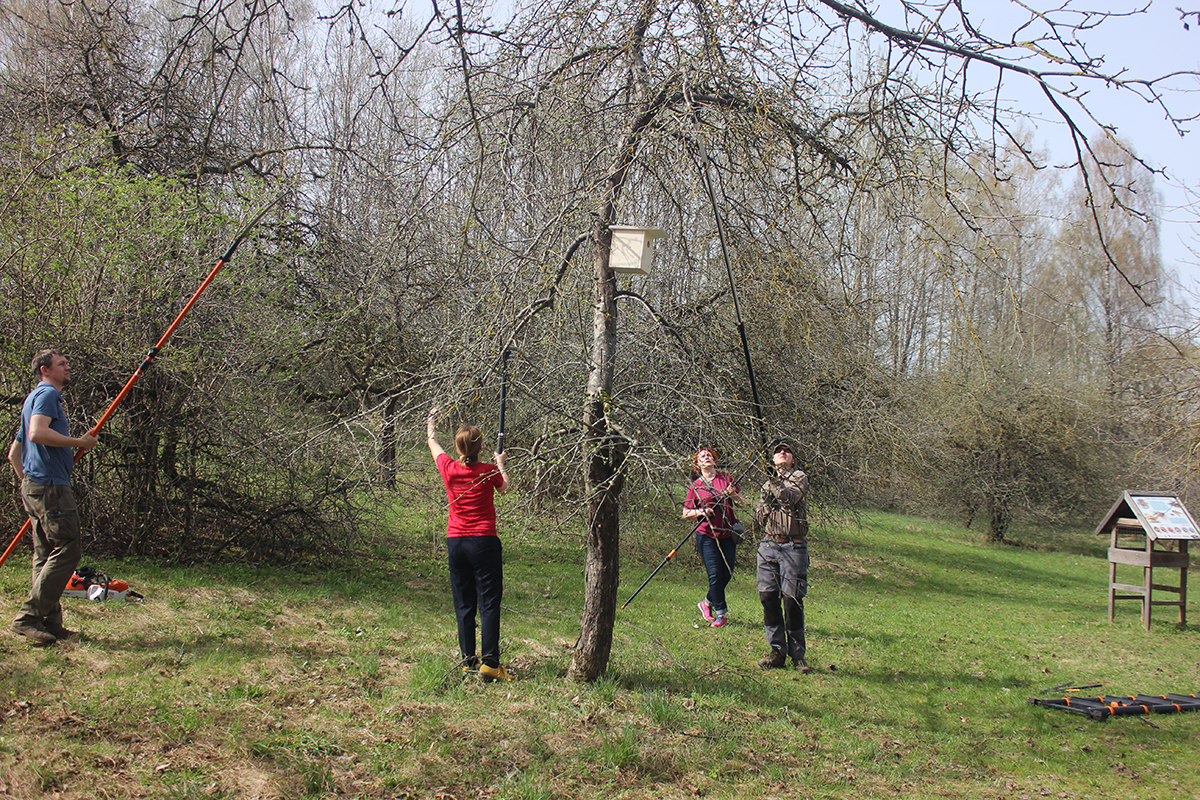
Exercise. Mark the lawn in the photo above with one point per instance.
(236, 682)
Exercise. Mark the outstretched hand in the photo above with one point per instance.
(431, 431)
(435, 449)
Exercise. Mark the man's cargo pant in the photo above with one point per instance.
(783, 580)
(56, 549)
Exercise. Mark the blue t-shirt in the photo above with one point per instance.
(50, 466)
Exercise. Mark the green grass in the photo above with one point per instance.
(236, 682)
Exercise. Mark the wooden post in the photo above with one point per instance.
(1112, 576)
(1147, 582)
(1183, 570)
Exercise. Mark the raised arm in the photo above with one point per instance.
(435, 449)
(507, 484)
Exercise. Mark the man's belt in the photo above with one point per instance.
(785, 539)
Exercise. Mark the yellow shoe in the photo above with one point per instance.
(490, 674)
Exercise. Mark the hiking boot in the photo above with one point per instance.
(802, 666)
(773, 660)
(490, 674)
(34, 632)
(59, 632)
(705, 610)
(718, 621)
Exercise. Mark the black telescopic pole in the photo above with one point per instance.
(682, 542)
(154, 351)
(503, 397)
(737, 307)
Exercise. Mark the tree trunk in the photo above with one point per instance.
(387, 444)
(602, 567)
(605, 452)
(998, 519)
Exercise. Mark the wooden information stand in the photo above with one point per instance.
(1148, 530)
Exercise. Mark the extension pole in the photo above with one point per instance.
(682, 542)
(503, 397)
(154, 351)
(737, 307)
(670, 555)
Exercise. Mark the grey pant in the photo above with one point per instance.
(782, 585)
(56, 549)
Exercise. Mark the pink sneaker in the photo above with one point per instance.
(719, 621)
(705, 610)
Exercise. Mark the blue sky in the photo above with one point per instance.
(1147, 45)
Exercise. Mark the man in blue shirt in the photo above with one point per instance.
(42, 455)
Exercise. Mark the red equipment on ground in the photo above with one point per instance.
(88, 583)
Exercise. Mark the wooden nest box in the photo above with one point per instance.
(632, 248)
(1150, 531)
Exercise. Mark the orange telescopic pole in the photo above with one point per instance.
(155, 350)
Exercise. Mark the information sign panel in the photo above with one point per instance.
(1165, 516)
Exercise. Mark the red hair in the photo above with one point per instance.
(696, 457)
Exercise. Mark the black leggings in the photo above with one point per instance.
(477, 582)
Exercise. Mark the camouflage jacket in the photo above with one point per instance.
(783, 506)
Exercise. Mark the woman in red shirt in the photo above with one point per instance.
(472, 545)
(710, 499)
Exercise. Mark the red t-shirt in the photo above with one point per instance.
(470, 490)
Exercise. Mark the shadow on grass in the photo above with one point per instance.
(899, 567)
(932, 699)
(181, 648)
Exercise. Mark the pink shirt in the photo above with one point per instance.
(721, 511)
(471, 492)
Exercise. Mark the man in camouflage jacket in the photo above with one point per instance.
(782, 517)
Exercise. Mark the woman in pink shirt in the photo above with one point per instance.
(472, 545)
(710, 500)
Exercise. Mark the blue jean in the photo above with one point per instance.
(718, 556)
(477, 583)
